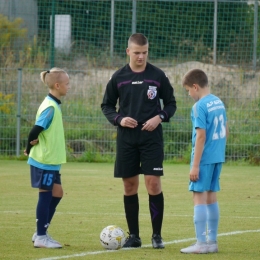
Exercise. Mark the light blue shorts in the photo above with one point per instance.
(208, 178)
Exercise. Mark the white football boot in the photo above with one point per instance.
(47, 234)
(212, 247)
(46, 242)
(197, 248)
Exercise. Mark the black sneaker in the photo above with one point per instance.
(157, 241)
(132, 241)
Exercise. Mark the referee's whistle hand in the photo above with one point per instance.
(151, 124)
(128, 122)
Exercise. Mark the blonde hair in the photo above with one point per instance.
(50, 77)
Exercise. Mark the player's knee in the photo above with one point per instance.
(154, 188)
(130, 190)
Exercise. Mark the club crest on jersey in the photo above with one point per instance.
(152, 92)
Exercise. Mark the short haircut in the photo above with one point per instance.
(138, 38)
(51, 77)
(195, 76)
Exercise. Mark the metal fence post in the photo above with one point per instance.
(215, 32)
(134, 17)
(112, 29)
(255, 34)
(52, 40)
(18, 125)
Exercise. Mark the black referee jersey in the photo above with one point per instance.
(139, 95)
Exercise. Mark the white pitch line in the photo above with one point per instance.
(149, 245)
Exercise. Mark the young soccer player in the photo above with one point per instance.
(209, 136)
(139, 86)
(46, 150)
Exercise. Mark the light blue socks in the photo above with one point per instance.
(206, 219)
(212, 221)
(200, 222)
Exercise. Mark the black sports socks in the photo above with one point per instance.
(131, 204)
(156, 205)
(54, 203)
(42, 212)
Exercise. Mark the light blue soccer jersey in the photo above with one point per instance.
(209, 113)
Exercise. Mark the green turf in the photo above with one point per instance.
(93, 199)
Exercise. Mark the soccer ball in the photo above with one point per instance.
(112, 237)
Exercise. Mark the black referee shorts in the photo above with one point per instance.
(139, 152)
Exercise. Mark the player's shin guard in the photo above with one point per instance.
(156, 205)
(131, 204)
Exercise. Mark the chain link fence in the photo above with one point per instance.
(88, 39)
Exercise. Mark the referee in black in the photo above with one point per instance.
(138, 87)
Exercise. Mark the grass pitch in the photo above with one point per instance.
(93, 199)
